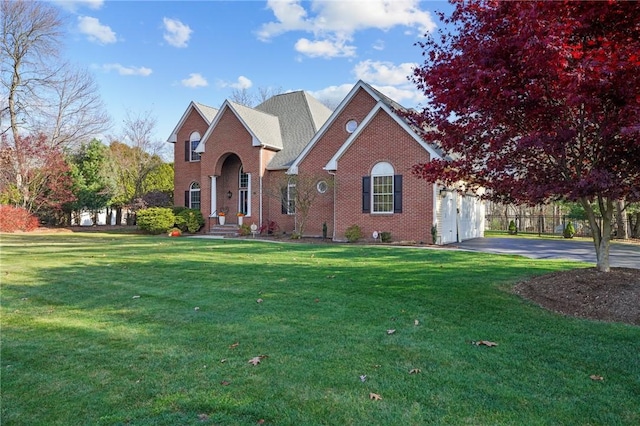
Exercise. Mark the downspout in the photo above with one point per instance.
(335, 221)
(261, 173)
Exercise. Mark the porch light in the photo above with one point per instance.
(229, 194)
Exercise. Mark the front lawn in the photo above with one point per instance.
(108, 329)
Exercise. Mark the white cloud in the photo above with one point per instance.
(332, 95)
(95, 31)
(176, 33)
(324, 48)
(335, 21)
(122, 70)
(242, 83)
(74, 5)
(378, 45)
(379, 72)
(392, 80)
(195, 80)
(408, 96)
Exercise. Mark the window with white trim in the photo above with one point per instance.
(243, 191)
(194, 196)
(291, 197)
(382, 190)
(194, 141)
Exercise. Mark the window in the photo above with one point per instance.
(194, 196)
(382, 188)
(382, 191)
(289, 198)
(322, 186)
(190, 146)
(351, 126)
(243, 191)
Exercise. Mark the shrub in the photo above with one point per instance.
(156, 220)
(270, 227)
(385, 237)
(434, 234)
(353, 233)
(512, 228)
(569, 230)
(16, 219)
(324, 230)
(244, 230)
(189, 220)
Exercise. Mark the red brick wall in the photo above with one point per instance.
(384, 140)
(228, 147)
(186, 172)
(273, 181)
(311, 167)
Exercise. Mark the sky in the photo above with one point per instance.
(155, 57)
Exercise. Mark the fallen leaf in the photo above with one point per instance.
(316, 300)
(331, 276)
(596, 377)
(259, 300)
(136, 297)
(416, 322)
(225, 383)
(256, 359)
(363, 378)
(415, 371)
(203, 417)
(234, 345)
(223, 360)
(375, 397)
(485, 343)
(391, 331)
(261, 421)
(196, 308)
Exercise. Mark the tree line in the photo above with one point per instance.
(51, 163)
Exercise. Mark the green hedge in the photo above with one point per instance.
(188, 220)
(156, 220)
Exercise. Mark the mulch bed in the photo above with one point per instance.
(587, 293)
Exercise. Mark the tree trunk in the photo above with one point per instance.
(118, 215)
(635, 230)
(601, 235)
(622, 232)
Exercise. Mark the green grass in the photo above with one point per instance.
(78, 348)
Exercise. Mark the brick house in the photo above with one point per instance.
(354, 164)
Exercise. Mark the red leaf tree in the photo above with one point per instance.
(537, 101)
(34, 175)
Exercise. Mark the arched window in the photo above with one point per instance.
(194, 141)
(382, 190)
(194, 196)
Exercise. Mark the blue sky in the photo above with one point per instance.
(157, 56)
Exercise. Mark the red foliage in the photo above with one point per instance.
(34, 174)
(16, 219)
(543, 96)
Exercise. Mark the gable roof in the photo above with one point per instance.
(300, 116)
(284, 123)
(206, 112)
(390, 106)
(263, 127)
(380, 106)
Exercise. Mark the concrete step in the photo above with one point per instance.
(230, 230)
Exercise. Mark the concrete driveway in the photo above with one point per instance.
(621, 255)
